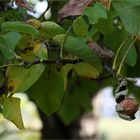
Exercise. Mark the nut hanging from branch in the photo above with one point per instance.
(126, 107)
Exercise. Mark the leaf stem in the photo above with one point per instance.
(28, 64)
(3, 66)
(63, 42)
(116, 56)
(67, 33)
(124, 57)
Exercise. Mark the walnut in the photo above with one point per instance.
(129, 106)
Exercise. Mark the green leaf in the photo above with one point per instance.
(50, 29)
(12, 39)
(3, 60)
(8, 43)
(95, 13)
(131, 58)
(114, 40)
(129, 13)
(11, 111)
(69, 110)
(20, 79)
(86, 70)
(7, 53)
(105, 26)
(48, 91)
(82, 69)
(80, 27)
(78, 47)
(133, 2)
(76, 99)
(133, 71)
(85, 100)
(19, 27)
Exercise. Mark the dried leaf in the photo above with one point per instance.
(102, 52)
(24, 4)
(106, 3)
(73, 8)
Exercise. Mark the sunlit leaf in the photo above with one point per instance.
(129, 14)
(86, 70)
(19, 27)
(20, 79)
(8, 43)
(64, 72)
(50, 29)
(95, 13)
(11, 111)
(40, 50)
(83, 30)
(78, 47)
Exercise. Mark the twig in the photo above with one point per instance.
(28, 64)
(61, 61)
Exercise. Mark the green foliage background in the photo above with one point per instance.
(52, 62)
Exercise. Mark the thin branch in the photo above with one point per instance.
(28, 64)
(63, 42)
(61, 61)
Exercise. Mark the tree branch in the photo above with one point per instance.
(61, 61)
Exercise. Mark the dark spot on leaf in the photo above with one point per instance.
(27, 49)
(11, 88)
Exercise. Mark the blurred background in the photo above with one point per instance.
(102, 123)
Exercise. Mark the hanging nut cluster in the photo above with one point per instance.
(126, 107)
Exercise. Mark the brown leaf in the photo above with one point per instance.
(102, 52)
(24, 4)
(106, 3)
(74, 8)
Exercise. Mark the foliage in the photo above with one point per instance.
(59, 63)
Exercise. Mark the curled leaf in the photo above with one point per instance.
(24, 4)
(11, 111)
(74, 8)
(102, 52)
